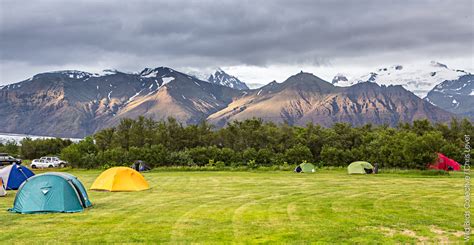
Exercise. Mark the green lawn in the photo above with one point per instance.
(256, 207)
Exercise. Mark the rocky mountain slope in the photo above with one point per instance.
(75, 104)
(419, 79)
(304, 98)
(456, 96)
(181, 96)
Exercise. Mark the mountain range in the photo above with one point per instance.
(76, 104)
(447, 88)
(419, 79)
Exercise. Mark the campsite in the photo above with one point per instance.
(236, 122)
(255, 207)
(185, 184)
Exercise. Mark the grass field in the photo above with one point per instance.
(256, 207)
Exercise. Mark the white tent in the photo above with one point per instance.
(2, 188)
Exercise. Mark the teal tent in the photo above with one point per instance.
(51, 192)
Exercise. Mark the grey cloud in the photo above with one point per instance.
(219, 33)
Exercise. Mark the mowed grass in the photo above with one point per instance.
(256, 207)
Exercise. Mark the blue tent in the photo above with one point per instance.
(51, 193)
(14, 175)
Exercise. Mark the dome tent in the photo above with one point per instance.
(140, 166)
(51, 193)
(445, 163)
(305, 168)
(360, 167)
(3, 192)
(14, 175)
(120, 179)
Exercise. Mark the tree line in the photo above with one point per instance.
(254, 143)
(31, 149)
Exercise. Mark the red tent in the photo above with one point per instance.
(445, 163)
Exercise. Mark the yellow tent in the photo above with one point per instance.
(120, 179)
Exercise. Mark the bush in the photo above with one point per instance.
(180, 158)
(81, 154)
(252, 164)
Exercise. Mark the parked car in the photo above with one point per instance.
(56, 161)
(41, 163)
(48, 162)
(6, 159)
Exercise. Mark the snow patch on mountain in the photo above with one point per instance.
(419, 79)
(148, 72)
(105, 72)
(133, 97)
(74, 74)
(203, 76)
(166, 80)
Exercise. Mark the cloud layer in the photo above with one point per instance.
(201, 34)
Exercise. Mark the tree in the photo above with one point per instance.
(10, 147)
(122, 133)
(104, 138)
(297, 154)
(81, 154)
(254, 143)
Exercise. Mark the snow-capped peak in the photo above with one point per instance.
(72, 74)
(419, 79)
(222, 78)
(156, 72)
(339, 78)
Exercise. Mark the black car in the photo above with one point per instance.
(6, 159)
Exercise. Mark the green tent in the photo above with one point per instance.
(307, 167)
(359, 167)
(51, 192)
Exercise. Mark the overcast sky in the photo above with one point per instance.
(258, 41)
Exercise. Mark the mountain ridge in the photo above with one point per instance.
(299, 101)
(419, 79)
(75, 103)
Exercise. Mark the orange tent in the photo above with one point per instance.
(120, 179)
